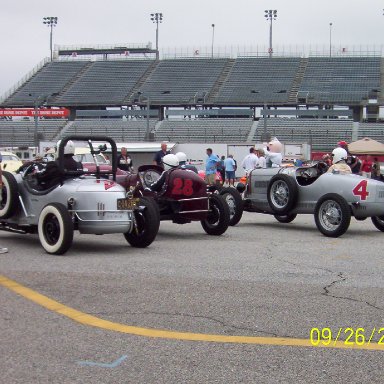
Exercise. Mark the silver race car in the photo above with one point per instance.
(332, 197)
(55, 203)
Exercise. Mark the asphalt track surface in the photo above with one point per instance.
(194, 308)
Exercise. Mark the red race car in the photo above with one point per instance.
(184, 196)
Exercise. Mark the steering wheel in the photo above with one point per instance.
(322, 166)
(33, 168)
(148, 177)
(306, 174)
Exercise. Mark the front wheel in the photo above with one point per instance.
(55, 229)
(235, 204)
(146, 224)
(282, 194)
(378, 222)
(218, 217)
(332, 215)
(285, 218)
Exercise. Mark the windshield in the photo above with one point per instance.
(87, 158)
(10, 158)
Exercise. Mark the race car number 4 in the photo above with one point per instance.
(361, 190)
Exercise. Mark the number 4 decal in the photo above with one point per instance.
(361, 190)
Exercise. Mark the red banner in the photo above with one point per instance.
(60, 112)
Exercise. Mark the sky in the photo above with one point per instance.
(239, 26)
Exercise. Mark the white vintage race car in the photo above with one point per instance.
(56, 206)
(332, 197)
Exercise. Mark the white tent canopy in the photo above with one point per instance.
(366, 146)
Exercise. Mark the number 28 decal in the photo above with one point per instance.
(182, 187)
(361, 190)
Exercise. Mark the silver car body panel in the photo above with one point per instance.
(365, 196)
(94, 205)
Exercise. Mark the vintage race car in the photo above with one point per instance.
(332, 197)
(78, 200)
(184, 197)
(148, 174)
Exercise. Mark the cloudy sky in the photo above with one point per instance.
(241, 23)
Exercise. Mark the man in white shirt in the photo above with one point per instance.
(250, 161)
(262, 163)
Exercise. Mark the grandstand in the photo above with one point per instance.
(200, 92)
(204, 130)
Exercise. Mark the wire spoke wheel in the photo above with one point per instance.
(332, 215)
(280, 194)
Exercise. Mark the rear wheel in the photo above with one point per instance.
(235, 204)
(146, 224)
(55, 229)
(218, 218)
(285, 218)
(378, 222)
(9, 196)
(332, 215)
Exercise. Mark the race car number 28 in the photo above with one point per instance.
(182, 187)
(361, 190)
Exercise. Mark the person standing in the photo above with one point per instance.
(353, 161)
(211, 167)
(366, 167)
(158, 159)
(230, 168)
(250, 161)
(124, 161)
(2, 249)
(262, 162)
(375, 170)
(221, 169)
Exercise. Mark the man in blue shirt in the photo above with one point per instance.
(211, 167)
(230, 168)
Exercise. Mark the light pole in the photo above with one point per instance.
(270, 15)
(157, 18)
(213, 38)
(146, 99)
(330, 39)
(51, 22)
(40, 100)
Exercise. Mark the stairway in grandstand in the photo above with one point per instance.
(294, 92)
(220, 81)
(133, 94)
(51, 78)
(381, 93)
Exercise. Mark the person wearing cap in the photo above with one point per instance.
(352, 161)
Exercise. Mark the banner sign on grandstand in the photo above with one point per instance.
(60, 112)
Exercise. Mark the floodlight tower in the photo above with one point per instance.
(50, 22)
(213, 38)
(270, 15)
(157, 18)
(330, 39)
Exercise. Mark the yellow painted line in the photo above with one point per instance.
(93, 321)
